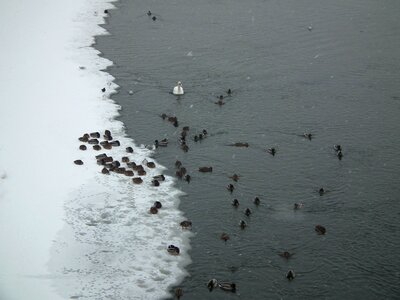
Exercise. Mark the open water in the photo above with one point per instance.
(330, 68)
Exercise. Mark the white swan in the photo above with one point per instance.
(178, 90)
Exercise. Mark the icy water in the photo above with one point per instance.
(330, 68)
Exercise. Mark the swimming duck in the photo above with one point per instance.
(187, 178)
(213, 283)
(235, 202)
(234, 177)
(298, 205)
(173, 250)
(240, 144)
(162, 143)
(178, 164)
(320, 229)
(178, 293)
(185, 147)
(286, 254)
(153, 210)
(321, 191)
(340, 154)
(186, 224)
(242, 224)
(271, 151)
(159, 177)
(230, 187)
(178, 90)
(149, 13)
(227, 286)
(308, 136)
(256, 201)
(290, 275)
(205, 169)
(229, 91)
(247, 212)
(220, 102)
(225, 237)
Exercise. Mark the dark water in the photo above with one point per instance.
(340, 81)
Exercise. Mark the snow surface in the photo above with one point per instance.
(68, 231)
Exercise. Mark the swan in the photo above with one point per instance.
(178, 90)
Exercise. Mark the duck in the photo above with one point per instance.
(149, 13)
(320, 229)
(321, 191)
(153, 210)
(173, 250)
(290, 275)
(227, 286)
(298, 205)
(213, 283)
(256, 201)
(157, 204)
(242, 224)
(225, 237)
(186, 224)
(240, 144)
(339, 154)
(178, 164)
(271, 151)
(286, 254)
(234, 177)
(162, 143)
(178, 293)
(178, 90)
(187, 178)
(230, 187)
(308, 135)
(220, 102)
(159, 177)
(229, 91)
(205, 169)
(235, 202)
(247, 212)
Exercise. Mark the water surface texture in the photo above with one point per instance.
(329, 68)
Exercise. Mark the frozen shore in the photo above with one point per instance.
(50, 95)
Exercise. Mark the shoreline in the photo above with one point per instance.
(46, 116)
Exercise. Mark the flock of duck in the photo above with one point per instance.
(319, 229)
(127, 167)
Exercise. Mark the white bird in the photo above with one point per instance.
(178, 90)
